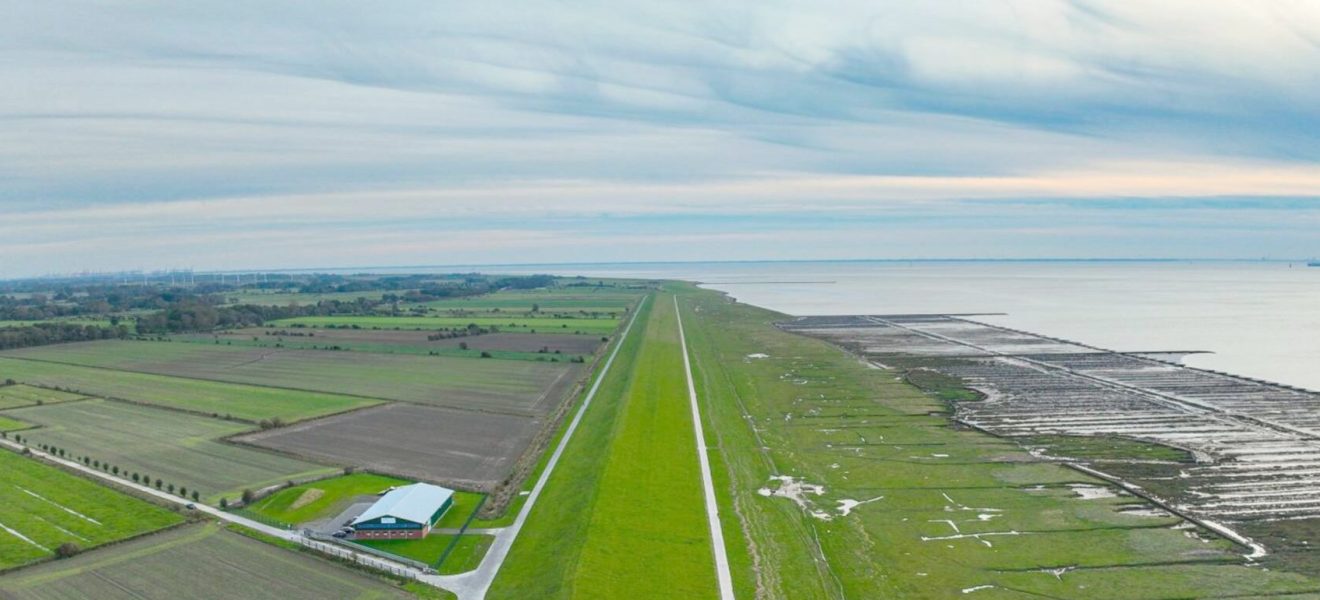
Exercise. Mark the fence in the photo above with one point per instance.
(454, 542)
(260, 518)
(352, 548)
(343, 553)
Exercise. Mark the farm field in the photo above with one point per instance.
(48, 507)
(509, 324)
(9, 424)
(634, 451)
(285, 299)
(560, 298)
(178, 448)
(247, 402)
(459, 448)
(522, 387)
(14, 396)
(516, 346)
(204, 562)
(838, 479)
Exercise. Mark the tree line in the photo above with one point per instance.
(38, 334)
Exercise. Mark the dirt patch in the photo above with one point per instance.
(307, 497)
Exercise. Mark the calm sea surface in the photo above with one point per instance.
(1258, 318)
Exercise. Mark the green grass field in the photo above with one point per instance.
(456, 382)
(622, 515)
(510, 324)
(321, 499)
(467, 554)
(14, 396)
(909, 507)
(1102, 448)
(248, 402)
(10, 424)
(176, 447)
(203, 562)
(48, 507)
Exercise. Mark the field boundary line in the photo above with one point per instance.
(722, 572)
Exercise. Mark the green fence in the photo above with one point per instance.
(454, 542)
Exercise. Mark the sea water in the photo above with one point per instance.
(1259, 318)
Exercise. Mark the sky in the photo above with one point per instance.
(248, 134)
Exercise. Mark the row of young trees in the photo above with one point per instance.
(135, 477)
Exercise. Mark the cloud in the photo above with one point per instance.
(245, 120)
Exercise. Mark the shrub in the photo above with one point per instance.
(68, 550)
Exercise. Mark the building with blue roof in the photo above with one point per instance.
(404, 512)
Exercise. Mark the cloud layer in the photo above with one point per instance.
(251, 134)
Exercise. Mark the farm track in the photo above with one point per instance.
(722, 573)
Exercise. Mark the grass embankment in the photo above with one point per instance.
(246, 402)
(42, 507)
(942, 509)
(621, 516)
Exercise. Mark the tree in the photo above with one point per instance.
(196, 496)
(248, 496)
(224, 503)
(68, 550)
(159, 483)
(170, 488)
(462, 346)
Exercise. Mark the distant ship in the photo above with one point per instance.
(1314, 263)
